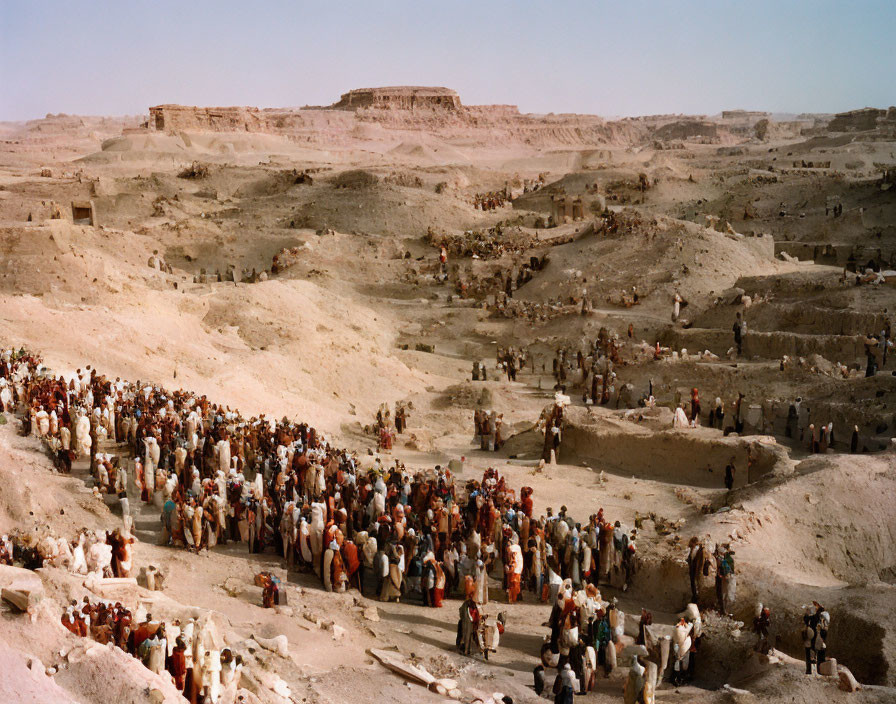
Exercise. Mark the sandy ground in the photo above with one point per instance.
(334, 335)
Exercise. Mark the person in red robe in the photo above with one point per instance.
(177, 665)
(122, 628)
(526, 502)
(138, 635)
(695, 406)
(70, 621)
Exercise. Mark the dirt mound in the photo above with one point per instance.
(430, 152)
(356, 179)
(405, 179)
(62, 261)
(484, 395)
(693, 260)
(661, 166)
(827, 550)
(273, 184)
(181, 148)
(386, 210)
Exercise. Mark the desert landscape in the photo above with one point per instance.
(678, 328)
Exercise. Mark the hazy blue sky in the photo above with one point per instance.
(612, 58)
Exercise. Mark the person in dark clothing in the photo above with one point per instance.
(792, 420)
(538, 676)
(576, 661)
(555, 622)
(565, 685)
(738, 414)
(871, 352)
(761, 627)
(815, 635)
(729, 475)
(739, 328)
(695, 405)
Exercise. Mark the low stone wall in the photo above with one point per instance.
(768, 345)
(883, 255)
(797, 318)
(695, 457)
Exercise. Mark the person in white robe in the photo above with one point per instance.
(680, 420)
(42, 422)
(481, 577)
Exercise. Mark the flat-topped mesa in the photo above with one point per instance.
(400, 98)
(185, 117)
(745, 114)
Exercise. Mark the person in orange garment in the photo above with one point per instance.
(352, 563)
(515, 571)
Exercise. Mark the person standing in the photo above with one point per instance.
(739, 328)
(695, 407)
(871, 351)
(761, 627)
(467, 626)
(565, 686)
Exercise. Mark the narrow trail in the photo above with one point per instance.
(146, 524)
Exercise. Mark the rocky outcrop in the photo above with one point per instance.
(864, 120)
(438, 115)
(439, 111)
(400, 98)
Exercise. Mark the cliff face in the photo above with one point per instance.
(744, 115)
(182, 117)
(400, 98)
(864, 120)
(439, 112)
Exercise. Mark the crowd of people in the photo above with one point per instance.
(218, 477)
(491, 200)
(489, 429)
(356, 521)
(592, 370)
(512, 361)
(186, 653)
(387, 429)
(100, 553)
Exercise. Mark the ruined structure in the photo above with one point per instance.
(864, 120)
(83, 212)
(566, 209)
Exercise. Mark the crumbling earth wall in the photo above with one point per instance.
(694, 457)
(847, 349)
